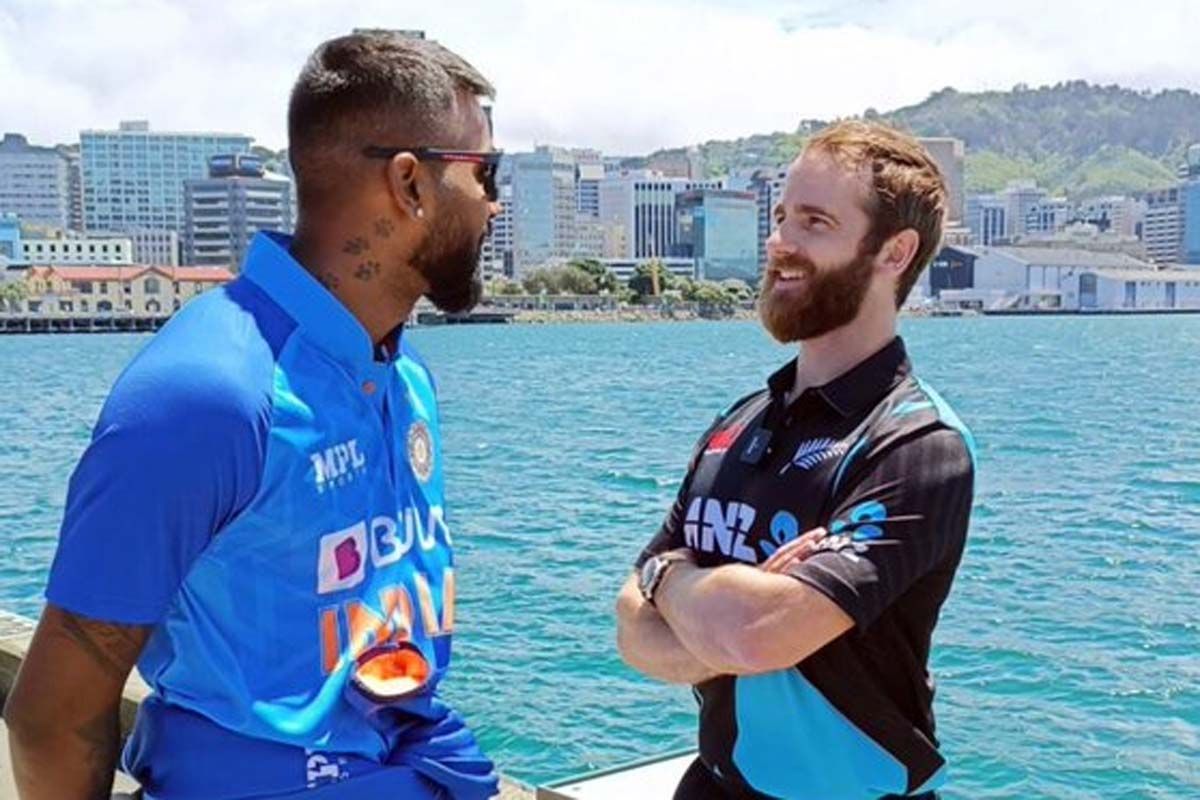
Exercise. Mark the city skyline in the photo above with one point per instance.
(572, 76)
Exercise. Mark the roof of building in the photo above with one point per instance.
(129, 272)
(1070, 257)
(1152, 276)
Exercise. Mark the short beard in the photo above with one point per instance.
(449, 262)
(830, 299)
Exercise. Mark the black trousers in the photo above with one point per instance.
(699, 783)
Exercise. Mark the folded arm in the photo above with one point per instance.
(63, 712)
(648, 644)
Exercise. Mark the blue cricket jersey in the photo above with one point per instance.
(266, 491)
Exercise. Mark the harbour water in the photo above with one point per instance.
(1068, 657)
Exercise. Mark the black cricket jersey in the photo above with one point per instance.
(882, 462)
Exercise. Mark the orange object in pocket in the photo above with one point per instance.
(391, 671)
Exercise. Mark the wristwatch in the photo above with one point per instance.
(655, 569)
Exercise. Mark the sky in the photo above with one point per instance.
(624, 76)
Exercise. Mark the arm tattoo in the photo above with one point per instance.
(114, 647)
(384, 228)
(356, 246)
(101, 737)
(367, 270)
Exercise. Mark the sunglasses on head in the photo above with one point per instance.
(490, 159)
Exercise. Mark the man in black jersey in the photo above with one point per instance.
(797, 580)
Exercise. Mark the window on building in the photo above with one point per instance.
(150, 286)
(85, 287)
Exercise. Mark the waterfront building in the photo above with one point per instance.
(638, 208)
(133, 177)
(12, 253)
(1119, 215)
(1190, 211)
(63, 249)
(767, 186)
(1163, 228)
(136, 289)
(155, 246)
(625, 268)
(987, 218)
(224, 211)
(719, 230)
(544, 202)
(34, 183)
(1020, 198)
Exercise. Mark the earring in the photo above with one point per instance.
(420, 212)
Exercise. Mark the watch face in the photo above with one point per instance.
(647, 576)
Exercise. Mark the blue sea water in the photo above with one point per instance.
(1068, 656)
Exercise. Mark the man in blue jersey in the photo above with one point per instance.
(797, 580)
(259, 521)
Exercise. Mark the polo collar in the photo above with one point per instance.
(857, 388)
(322, 318)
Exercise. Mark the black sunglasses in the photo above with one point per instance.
(490, 159)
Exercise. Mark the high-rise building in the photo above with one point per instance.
(638, 209)
(1162, 230)
(11, 251)
(589, 172)
(544, 203)
(1190, 200)
(34, 183)
(74, 187)
(224, 211)
(767, 186)
(1021, 197)
(719, 229)
(133, 177)
(987, 218)
(1050, 215)
(949, 154)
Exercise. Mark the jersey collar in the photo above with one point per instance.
(321, 316)
(856, 389)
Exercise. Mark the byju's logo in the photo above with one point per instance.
(813, 452)
(712, 526)
(338, 465)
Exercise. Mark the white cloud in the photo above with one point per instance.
(625, 76)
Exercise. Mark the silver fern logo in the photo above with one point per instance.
(814, 452)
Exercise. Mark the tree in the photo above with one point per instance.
(565, 279)
(712, 299)
(606, 282)
(503, 286)
(652, 278)
(12, 294)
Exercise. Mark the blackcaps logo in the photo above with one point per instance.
(420, 451)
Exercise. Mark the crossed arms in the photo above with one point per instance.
(728, 620)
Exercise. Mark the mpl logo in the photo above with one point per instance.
(338, 465)
(712, 526)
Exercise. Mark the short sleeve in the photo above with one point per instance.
(670, 533)
(174, 456)
(906, 516)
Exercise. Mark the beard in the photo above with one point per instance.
(828, 299)
(450, 265)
